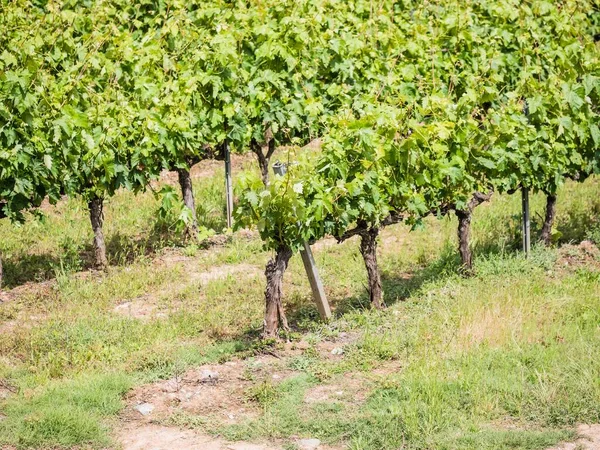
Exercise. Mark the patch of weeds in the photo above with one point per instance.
(166, 362)
(540, 259)
(69, 262)
(490, 439)
(380, 346)
(261, 346)
(155, 366)
(263, 393)
(306, 317)
(302, 363)
(327, 408)
(593, 233)
(191, 250)
(186, 420)
(588, 275)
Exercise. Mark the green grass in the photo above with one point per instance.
(505, 359)
(65, 413)
(515, 348)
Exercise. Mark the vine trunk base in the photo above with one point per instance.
(464, 234)
(187, 192)
(96, 207)
(546, 236)
(274, 312)
(368, 249)
(464, 230)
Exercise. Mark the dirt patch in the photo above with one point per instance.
(190, 265)
(584, 254)
(224, 396)
(328, 348)
(324, 243)
(589, 439)
(391, 367)
(224, 393)
(349, 388)
(8, 326)
(144, 307)
(42, 289)
(392, 239)
(224, 271)
(158, 437)
(336, 348)
(6, 390)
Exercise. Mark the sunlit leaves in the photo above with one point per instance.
(448, 100)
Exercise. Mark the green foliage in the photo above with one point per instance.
(172, 212)
(420, 104)
(66, 413)
(445, 101)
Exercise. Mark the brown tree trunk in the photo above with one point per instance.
(274, 313)
(464, 229)
(95, 206)
(263, 163)
(368, 249)
(464, 233)
(546, 236)
(264, 159)
(185, 181)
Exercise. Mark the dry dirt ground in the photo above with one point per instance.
(221, 393)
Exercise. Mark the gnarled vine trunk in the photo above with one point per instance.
(368, 249)
(464, 230)
(464, 233)
(274, 313)
(95, 206)
(264, 159)
(546, 236)
(185, 181)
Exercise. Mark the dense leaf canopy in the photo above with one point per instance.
(419, 104)
(453, 99)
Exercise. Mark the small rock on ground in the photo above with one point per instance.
(209, 376)
(308, 444)
(144, 409)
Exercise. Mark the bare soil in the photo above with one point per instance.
(226, 399)
(157, 437)
(574, 256)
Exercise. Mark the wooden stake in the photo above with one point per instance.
(228, 186)
(309, 265)
(315, 282)
(526, 222)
